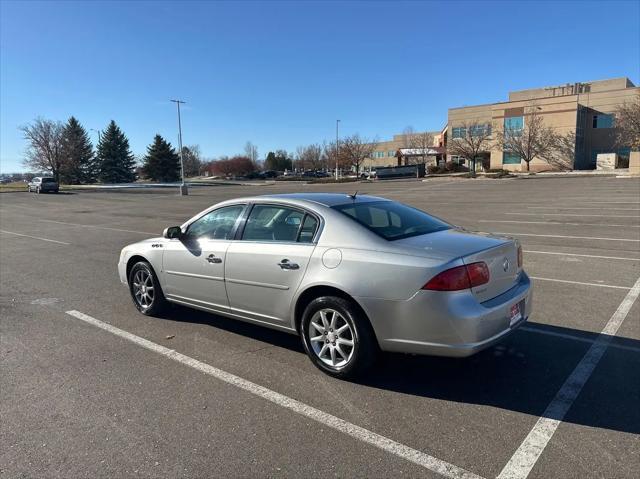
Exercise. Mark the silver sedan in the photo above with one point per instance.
(352, 275)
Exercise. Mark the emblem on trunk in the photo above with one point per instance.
(505, 264)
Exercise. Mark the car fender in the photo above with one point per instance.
(150, 250)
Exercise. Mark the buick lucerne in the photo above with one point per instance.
(351, 275)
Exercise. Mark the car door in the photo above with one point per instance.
(265, 266)
(193, 265)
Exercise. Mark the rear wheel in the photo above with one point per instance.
(337, 337)
(145, 289)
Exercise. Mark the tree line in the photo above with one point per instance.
(66, 152)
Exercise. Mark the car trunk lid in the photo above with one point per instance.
(499, 253)
(502, 262)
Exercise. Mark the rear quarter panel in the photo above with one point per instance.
(369, 273)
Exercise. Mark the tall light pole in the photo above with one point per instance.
(183, 188)
(337, 146)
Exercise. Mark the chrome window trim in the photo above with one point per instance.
(303, 210)
(185, 226)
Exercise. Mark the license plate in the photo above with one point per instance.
(515, 314)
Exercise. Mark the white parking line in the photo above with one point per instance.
(579, 282)
(571, 214)
(574, 337)
(578, 208)
(569, 237)
(581, 255)
(559, 223)
(98, 227)
(405, 452)
(34, 237)
(526, 456)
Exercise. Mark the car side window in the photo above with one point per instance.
(217, 224)
(308, 230)
(275, 223)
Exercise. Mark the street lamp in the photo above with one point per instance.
(337, 147)
(184, 191)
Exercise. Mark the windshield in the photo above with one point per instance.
(391, 220)
(48, 180)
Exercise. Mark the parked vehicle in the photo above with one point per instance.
(350, 274)
(254, 175)
(43, 184)
(406, 171)
(269, 174)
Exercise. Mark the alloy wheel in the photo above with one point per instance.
(331, 337)
(143, 289)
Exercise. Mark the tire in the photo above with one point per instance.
(345, 361)
(149, 300)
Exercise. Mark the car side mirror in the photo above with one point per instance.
(172, 232)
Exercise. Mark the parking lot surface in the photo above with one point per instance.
(107, 392)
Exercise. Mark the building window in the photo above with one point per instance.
(458, 159)
(459, 132)
(391, 153)
(603, 121)
(514, 123)
(510, 158)
(480, 130)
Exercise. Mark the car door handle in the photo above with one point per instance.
(286, 264)
(212, 259)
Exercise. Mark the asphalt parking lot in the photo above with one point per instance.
(558, 398)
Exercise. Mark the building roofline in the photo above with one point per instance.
(543, 98)
(571, 83)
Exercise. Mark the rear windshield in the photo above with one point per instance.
(391, 220)
(48, 180)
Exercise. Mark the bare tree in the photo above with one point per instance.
(562, 154)
(407, 136)
(628, 124)
(300, 161)
(422, 142)
(311, 157)
(355, 150)
(533, 140)
(251, 151)
(44, 150)
(474, 140)
(192, 159)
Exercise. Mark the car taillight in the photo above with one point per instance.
(520, 256)
(460, 277)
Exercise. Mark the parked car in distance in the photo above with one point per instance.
(352, 275)
(254, 175)
(43, 184)
(269, 174)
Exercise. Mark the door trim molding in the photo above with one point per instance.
(257, 283)
(192, 275)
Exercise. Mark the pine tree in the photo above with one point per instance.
(77, 154)
(161, 162)
(115, 162)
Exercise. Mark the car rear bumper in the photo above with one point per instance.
(447, 323)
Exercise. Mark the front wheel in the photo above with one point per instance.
(337, 337)
(145, 289)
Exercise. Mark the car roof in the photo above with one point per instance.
(326, 199)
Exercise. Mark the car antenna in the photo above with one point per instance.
(353, 196)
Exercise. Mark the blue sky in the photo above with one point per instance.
(280, 73)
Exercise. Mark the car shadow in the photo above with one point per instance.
(523, 373)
